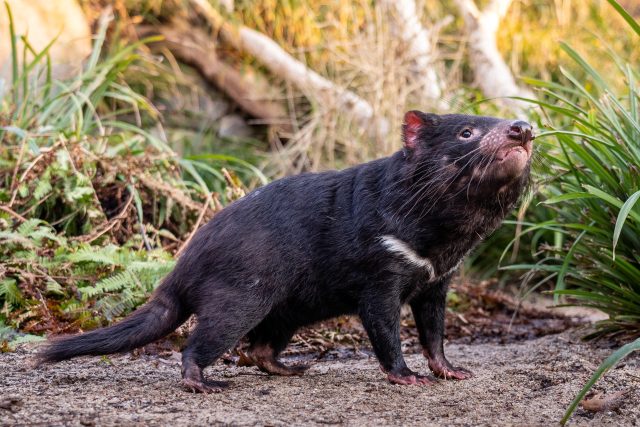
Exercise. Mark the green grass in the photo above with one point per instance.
(590, 248)
(591, 153)
(94, 202)
(608, 363)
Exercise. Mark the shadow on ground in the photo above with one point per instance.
(529, 382)
(528, 360)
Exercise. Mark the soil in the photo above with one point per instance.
(526, 373)
(523, 383)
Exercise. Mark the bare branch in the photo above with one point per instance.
(498, 7)
(419, 41)
(492, 74)
(280, 63)
(468, 7)
(194, 47)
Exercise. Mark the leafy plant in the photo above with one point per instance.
(138, 273)
(595, 159)
(593, 154)
(9, 338)
(93, 204)
(50, 279)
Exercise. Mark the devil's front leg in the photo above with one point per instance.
(380, 314)
(429, 313)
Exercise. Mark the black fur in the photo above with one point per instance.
(159, 317)
(309, 247)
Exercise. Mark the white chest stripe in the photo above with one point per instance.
(397, 246)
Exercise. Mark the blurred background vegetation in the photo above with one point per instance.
(124, 132)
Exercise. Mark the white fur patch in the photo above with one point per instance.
(397, 246)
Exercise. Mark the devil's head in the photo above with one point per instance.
(473, 156)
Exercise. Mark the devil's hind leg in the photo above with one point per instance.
(267, 340)
(205, 345)
(219, 327)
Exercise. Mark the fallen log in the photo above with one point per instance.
(420, 44)
(283, 65)
(195, 47)
(492, 74)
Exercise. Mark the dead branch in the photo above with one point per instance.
(420, 43)
(205, 207)
(14, 214)
(492, 74)
(194, 47)
(174, 193)
(283, 65)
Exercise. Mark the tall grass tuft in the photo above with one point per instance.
(592, 154)
(93, 200)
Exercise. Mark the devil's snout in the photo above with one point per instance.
(521, 131)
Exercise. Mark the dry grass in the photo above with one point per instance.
(530, 34)
(361, 52)
(353, 44)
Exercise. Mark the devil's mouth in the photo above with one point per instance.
(513, 150)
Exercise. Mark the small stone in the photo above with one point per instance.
(11, 403)
(87, 422)
(234, 125)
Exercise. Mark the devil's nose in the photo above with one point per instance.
(522, 131)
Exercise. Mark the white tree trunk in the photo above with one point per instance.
(280, 63)
(492, 74)
(420, 43)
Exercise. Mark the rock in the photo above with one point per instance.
(11, 403)
(41, 21)
(234, 125)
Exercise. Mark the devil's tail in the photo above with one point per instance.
(157, 318)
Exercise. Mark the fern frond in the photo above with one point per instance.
(107, 255)
(42, 188)
(158, 267)
(10, 292)
(12, 238)
(115, 305)
(110, 284)
(45, 233)
(54, 287)
(29, 226)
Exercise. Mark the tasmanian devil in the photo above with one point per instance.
(363, 241)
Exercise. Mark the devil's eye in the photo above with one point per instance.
(466, 133)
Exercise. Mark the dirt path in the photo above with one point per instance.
(522, 383)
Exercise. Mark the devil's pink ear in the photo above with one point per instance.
(414, 122)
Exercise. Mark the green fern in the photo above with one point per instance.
(30, 234)
(113, 283)
(116, 305)
(126, 289)
(43, 187)
(154, 267)
(13, 338)
(10, 292)
(54, 287)
(107, 255)
(44, 232)
(88, 157)
(29, 226)
(25, 339)
(11, 239)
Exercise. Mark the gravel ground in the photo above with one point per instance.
(526, 383)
